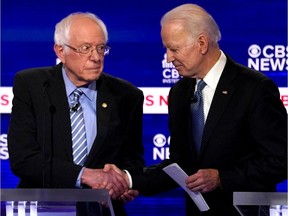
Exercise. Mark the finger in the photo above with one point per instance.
(117, 190)
(127, 197)
(133, 193)
(112, 194)
(191, 179)
(194, 186)
(109, 186)
(116, 169)
(107, 167)
(122, 198)
(196, 189)
(120, 182)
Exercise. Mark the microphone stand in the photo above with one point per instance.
(52, 111)
(45, 85)
(47, 161)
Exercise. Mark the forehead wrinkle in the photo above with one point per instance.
(85, 30)
(174, 34)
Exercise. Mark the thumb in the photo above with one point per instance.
(107, 167)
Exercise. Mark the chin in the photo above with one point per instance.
(95, 77)
(185, 74)
(182, 73)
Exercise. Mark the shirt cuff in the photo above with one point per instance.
(130, 178)
(78, 182)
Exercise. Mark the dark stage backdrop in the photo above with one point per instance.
(254, 33)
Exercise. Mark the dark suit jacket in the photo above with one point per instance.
(245, 138)
(40, 122)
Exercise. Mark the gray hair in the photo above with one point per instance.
(195, 20)
(61, 34)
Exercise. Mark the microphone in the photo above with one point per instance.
(75, 107)
(193, 99)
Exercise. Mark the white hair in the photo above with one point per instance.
(195, 20)
(61, 34)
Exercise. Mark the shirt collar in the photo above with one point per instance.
(88, 91)
(213, 76)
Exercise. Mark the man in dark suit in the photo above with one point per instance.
(243, 146)
(39, 137)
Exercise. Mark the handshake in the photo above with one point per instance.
(111, 178)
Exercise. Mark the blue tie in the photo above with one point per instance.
(197, 113)
(78, 129)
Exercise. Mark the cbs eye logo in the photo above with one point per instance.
(159, 140)
(159, 150)
(254, 51)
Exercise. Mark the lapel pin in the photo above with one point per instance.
(225, 92)
(104, 105)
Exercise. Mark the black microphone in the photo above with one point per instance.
(193, 99)
(75, 107)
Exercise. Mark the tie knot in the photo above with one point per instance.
(77, 94)
(201, 84)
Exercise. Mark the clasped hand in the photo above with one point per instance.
(112, 179)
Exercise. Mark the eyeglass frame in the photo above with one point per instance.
(90, 50)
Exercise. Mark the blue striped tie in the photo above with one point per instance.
(78, 130)
(197, 113)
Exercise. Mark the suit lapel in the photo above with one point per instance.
(58, 99)
(105, 105)
(223, 93)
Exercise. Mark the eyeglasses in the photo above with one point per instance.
(85, 49)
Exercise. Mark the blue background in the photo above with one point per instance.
(27, 29)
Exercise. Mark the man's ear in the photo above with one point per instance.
(59, 50)
(203, 44)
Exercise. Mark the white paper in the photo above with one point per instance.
(178, 175)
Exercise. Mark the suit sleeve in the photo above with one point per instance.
(133, 150)
(152, 179)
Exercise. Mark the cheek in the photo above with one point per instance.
(192, 59)
(76, 64)
(187, 59)
(71, 60)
